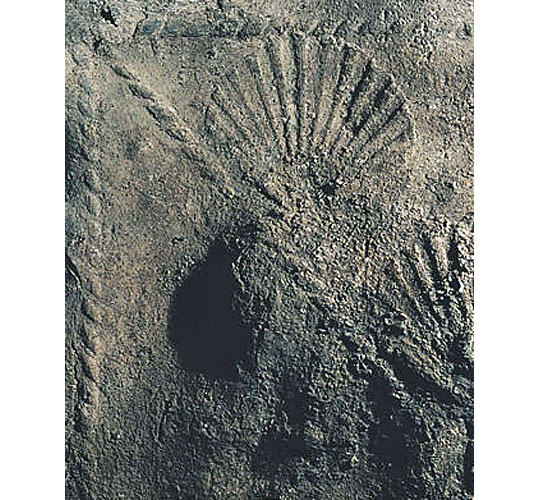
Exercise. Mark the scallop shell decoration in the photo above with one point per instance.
(296, 112)
(317, 107)
(429, 333)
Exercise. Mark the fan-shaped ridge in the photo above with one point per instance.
(429, 291)
(306, 108)
(296, 96)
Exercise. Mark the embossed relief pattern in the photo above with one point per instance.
(278, 328)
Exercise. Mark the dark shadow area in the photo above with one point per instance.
(203, 325)
(276, 453)
(281, 447)
(285, 442)
(390, 440)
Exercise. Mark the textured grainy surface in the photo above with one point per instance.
(269, 250)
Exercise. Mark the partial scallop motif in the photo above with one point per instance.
(428, 334)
